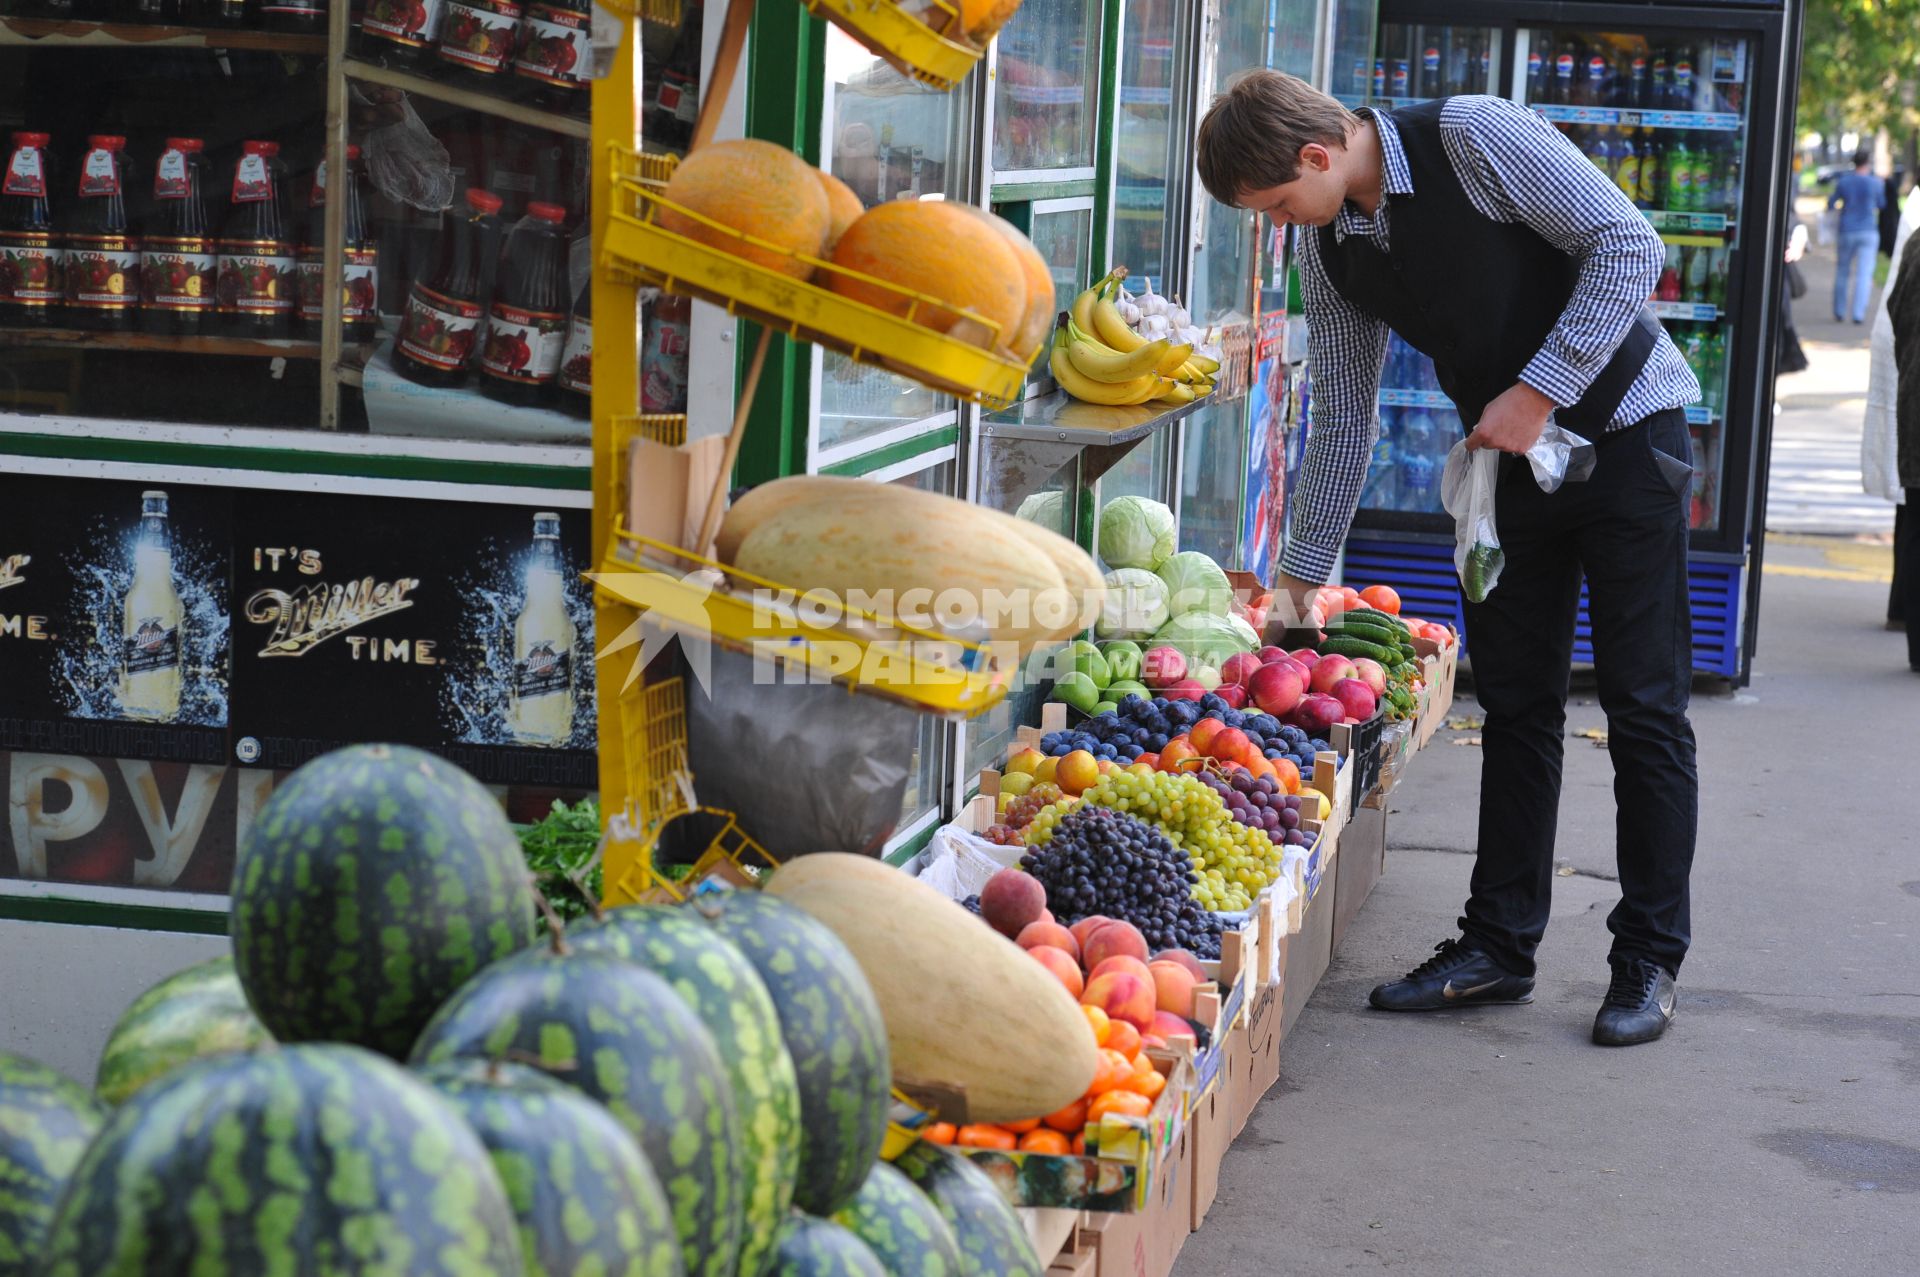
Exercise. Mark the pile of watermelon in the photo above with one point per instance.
(385, 1077)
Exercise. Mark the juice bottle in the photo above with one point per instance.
(360, 289)
(256, 249)
(32, 255)
(301, 17)
(400, 32)
(103, 256)
(445, 313)
(576, 358)
(527, 324)
(179, 262)
(477, 41)
(555, 52)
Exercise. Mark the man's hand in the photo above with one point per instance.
(1513, 422)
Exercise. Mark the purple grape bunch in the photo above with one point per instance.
(1258, 803)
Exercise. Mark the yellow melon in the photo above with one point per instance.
(982, 19)
(1037, 321)
(755, 188)
(941, 250)
(843, 206)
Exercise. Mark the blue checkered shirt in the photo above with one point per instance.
(1514, 167)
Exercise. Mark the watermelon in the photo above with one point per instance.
(319, 1159)
(810, 1247)
(194, 1013)
(587, 1200)
(622, 1035)
(46, 1123)
(901, 1226)
(833, 1030)
(373, 883)
(993, 1241)
(715, 979)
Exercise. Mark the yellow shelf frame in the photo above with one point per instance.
(913, 46)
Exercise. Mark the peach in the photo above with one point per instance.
(1011, 899)
(1025, 761)
(1051, 934)
(1114, 938)
(1121, 962)
(1084, 928)
(1064, 968)
(1123, 996)
(1077, 772)
(1185, 959)
(1167, 1025)
(1173, 987)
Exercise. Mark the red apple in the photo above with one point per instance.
(1185, 690)
(1373, 674)
(1233, 694)
(1356, 696)
(1277, 688)
(1328, 671)
(1269, 654)
(1317, 713)
(1305, 655)
(1239, 668)
(1162, 666)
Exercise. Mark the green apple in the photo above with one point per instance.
(1119, 690)
(1123, 659)
(1078, 690)
(1086, 659)
(1101, 707)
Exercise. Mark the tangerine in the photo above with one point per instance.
(1125, 1103)
(981, 1135)
(1125, 1039)
(1102, 1026)
(938, 1133)
(1052, 1143)
(1071, 1118)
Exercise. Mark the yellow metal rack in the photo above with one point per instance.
(930, 49)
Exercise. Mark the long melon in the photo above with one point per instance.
(964, 1007)
(871, 541)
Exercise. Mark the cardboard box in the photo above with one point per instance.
(1211, 1131)
(1145, 1244)
(1309, 953)
(1265, 1042)
(1363, 858)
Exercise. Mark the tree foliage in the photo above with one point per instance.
(1860, 66)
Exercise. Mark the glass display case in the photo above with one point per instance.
(1420, 61)
(1143, 138)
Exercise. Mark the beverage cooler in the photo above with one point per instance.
(1689, 110)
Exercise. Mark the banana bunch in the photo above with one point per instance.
(1096, 358)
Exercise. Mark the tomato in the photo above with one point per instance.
(1326, 602)
(1381, 598)
(984, 1136)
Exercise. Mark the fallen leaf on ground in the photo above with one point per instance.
(1465, 723)
(1466, 740)
(1598, 735)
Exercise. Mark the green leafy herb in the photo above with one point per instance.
(560, 850)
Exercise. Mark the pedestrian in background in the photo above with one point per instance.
(1903, 310)
(1859, 196)
(1879, 441)
(1793, 358)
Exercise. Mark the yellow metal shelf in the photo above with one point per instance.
(925, 670)
(639, 248)
(917, 48)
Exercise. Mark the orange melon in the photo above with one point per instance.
(939, 249)
(982, 19)
(1037, 321)
(755, 188)
(843, 208)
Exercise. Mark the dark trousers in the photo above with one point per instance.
(1903, 533)
(1906, 557)
(1625, 531)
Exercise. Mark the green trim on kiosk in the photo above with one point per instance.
(100, 913)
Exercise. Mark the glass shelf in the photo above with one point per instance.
(1711, 121)
(485, 103)
(1700, 312)
(48, 33)
(256, 347)
(1712, 223)
(1395, 398)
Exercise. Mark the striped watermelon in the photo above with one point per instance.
(993, 1241)
(833, 1031)
(716, 980)
(197, 1012)
(588, 1203)
(810, 1247)
(374, 882)
(317, 1159)
(901, 1226)
(622, 1035)
(46, 1123)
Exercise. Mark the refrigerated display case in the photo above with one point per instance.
(1689, 111)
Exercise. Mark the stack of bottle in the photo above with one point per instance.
(1709, 77)
(1410, 451)
(540, 50)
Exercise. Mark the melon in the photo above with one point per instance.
(625, 1038)
(939, 250)
(901, 1226)
(1026, 340)
(982, 19)
(833, 1031)
(721, 987)
(192, 1014)
(757, 189)
(843, 208)
(315, 1159)
(809, 1247)
(374, 883)
(993, 1241)
(586, 1199)
(965, 1007)
(46, 1123)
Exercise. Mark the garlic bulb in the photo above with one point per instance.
(1178, 317)
(1130, 313)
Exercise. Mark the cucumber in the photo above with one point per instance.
(1367, 630)
(1377, 617)
(1350, 647)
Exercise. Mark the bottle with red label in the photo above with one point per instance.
(477, 42)
(402, 33)
(576, 358)
(179, 256)
(32, 255)
(554, 53)
(299, 17)
(676, 98)
(257, 274)
(446, 312)
(360, 292)
(103, 255)
(527, 324)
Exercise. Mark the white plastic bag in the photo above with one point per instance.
(1466, 488)
(959, 863)
(1559, 456)
(404, 161)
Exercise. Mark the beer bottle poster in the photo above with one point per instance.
(460, 627)
(114, 618)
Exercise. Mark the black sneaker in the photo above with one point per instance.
(1455, 976)
(1639, 1004)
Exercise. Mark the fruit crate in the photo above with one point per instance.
(1361, 743)
(637, 247)
(930, 49)
(806, 632)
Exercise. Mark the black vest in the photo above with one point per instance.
(1476, 296)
